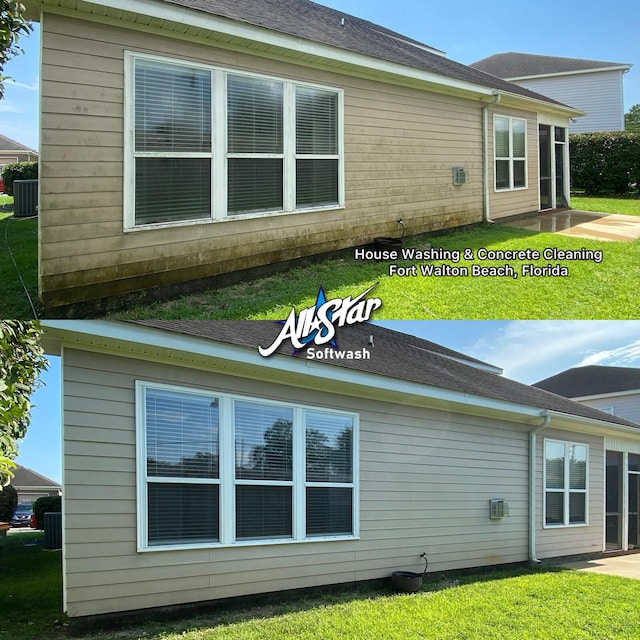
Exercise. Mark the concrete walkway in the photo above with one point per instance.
(584, 224)
(626, 566)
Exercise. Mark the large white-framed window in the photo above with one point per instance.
(565, 483)
(510, 152)
(216, 469)
(207, 144)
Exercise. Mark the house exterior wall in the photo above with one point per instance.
(564, 541)
(598, 93)
(625, 406)
(400, 145)
(426, 478)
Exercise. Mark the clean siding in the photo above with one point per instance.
(627, 406)
(598, 93)
(564, 541)
(426, 478)
(400, 146)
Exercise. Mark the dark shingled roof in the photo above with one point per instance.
(394, 355)
(522, 65)
(317, 23)
(23, 477)
(591, 381)
(7, 144)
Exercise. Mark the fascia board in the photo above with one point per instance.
(612, 394)
(183, 15)
(123, 338)
(590, 425)
(621, 67)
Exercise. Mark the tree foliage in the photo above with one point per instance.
(632, 119)
(21, 362)
(13, 24)
(8, 503)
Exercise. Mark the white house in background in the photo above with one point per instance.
(31, 485)
(614, 390)
(196, 470)
(594, 86)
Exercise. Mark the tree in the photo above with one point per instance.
(13, 24)
(21, 362)
(632, 119)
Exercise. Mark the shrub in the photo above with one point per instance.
(605, 162)
(8, 503)
(44, 505)
(18, 171)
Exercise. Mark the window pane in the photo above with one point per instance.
(329, 511)
(577, 508)
(501, 126)
(316, 182)
(554, 461)
(329, 445)
(254, 115)
(518, 128)
(502, 174)
(554, 507)
(316, 121)
(170, 189)
(255, 185)
(172, 107)
(634, 462)
(263, 441)
(560, 134)
(263, 512)
(182, 434)
(577, 467)
(519, 179)
(179, 513)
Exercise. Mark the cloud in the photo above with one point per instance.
(8, 107)
(34, 86)
(532, 350)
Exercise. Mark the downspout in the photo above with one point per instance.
(532, 486)
(485, 158)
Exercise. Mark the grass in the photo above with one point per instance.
(508, 604)
(628, 206)
(18, 238)
(30, 589)
(590, 290)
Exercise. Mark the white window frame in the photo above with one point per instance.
(227, 481)
(510, 157)
(566, 491)
(219, 154)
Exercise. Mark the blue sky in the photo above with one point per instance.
(528, 351)
(466, 30)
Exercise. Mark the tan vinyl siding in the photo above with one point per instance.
(400, 145)
(503, 204)
(563, 541)
(426, 478)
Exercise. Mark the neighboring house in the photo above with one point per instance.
(30, 485)
(194, 469)
(594, 86)
(12, 151)
(615, 390)
(182, 140)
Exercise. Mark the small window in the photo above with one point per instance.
(510, 152)
(565, 474)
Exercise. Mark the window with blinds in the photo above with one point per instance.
(565, 472)
(217, 469)
(510, 152)
(199, 133)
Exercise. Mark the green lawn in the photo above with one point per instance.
(18, 238)
(627, 206)
(591, 290)
(30, 589)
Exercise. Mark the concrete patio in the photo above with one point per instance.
(627, 566)
(583, 224)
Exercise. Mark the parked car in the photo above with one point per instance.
(22, 516)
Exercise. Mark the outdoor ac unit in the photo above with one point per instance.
(460, 176)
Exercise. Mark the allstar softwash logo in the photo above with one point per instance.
(317, 324)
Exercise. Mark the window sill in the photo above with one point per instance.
(565, 526)
(231, 218)
(509, 190)
(243, 543)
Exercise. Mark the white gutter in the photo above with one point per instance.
(486, 217)
(546, 418)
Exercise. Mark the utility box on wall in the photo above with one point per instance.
(460, 176)
(498, 508)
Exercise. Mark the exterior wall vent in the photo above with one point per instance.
(460, 176)
(498, 508)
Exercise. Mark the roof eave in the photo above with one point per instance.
(620, 67)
